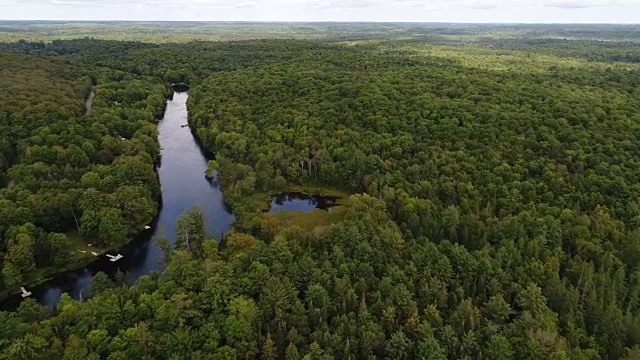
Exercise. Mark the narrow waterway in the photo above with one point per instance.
(184, 186)
(89, 102)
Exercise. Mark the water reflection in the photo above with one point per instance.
(183, 185)
(296, 201)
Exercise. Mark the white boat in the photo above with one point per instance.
(94, 253)
(147, 227)
(114, 258)
(25, 293)
(83, 251)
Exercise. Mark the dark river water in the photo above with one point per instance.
(184, 186)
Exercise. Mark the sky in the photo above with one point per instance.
(475, 11)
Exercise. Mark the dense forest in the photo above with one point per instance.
(495, 209)
(68, 171)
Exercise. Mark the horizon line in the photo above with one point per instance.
(323, 21)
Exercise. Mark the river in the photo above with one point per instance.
(89, 103)
(181, 170)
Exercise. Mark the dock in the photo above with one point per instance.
(114, 258)
(24, 291)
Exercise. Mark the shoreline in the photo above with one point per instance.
(48, 273)
(80, 263)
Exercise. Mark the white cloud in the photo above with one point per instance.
(338, 10)
(135, 3)
(578, 4)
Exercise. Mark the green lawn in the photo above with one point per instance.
(77, 259)
(79, 243)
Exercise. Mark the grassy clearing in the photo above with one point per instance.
(77, 259)
(317, 218)
(312, 221)
(79, 243)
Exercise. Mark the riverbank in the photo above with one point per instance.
(78, 259)
(80, 249)
(80, 256)
(183, 186)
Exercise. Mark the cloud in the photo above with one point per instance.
(346, 4)
(570, 5)
(329, 10)
(582, 4)
(148, 3)
(481, 4)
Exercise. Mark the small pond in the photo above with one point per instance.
(297, 201)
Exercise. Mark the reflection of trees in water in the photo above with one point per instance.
(317, 201)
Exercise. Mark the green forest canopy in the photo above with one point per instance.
(496, 212)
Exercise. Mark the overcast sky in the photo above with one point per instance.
(547, 11)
